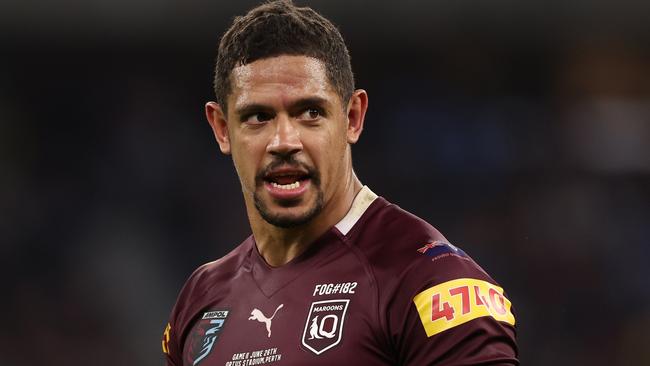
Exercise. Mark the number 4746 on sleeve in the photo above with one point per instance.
(455, 302)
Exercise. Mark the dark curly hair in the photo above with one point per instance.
(280, 28)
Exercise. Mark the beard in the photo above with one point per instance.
(288, 221)
(285, 220)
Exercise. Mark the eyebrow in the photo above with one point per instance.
(310, 101)
(298, 104)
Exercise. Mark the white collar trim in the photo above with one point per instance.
(361, 202)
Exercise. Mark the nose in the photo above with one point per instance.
(285, 139)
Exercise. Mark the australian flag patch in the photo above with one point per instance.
(437, 248)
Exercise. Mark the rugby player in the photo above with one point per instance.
(332, 274)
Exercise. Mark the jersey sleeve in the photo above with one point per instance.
(171, 342)
(171, 357)
(172, 339)
(447, 311)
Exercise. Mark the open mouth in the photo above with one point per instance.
(287, 179)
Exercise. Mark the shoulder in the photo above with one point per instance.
(437, 303)
(392, 226)
(208, 276)
(412, 262)
(394, 240)
(400, 245)
(193, 296)
(222, 268)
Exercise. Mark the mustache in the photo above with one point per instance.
(291, 161)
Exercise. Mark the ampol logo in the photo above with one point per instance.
(324, 325)
(204, 335)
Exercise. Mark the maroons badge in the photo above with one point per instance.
(324, 325)
(204, 335)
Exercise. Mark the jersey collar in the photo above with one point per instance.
(361, 202)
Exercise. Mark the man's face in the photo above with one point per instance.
(287, 133)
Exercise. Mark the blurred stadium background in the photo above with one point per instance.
(520, 129)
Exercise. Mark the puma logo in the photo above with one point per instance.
(256, 314)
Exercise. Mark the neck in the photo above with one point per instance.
(278, 245)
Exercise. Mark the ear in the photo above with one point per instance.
(217, 119)
(356, 114)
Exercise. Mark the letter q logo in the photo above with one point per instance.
(324, 325)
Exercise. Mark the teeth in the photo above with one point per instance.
(293, 185)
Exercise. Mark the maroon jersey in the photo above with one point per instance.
(382, 287)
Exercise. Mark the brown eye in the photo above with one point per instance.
(257, 118)
(310, 114)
